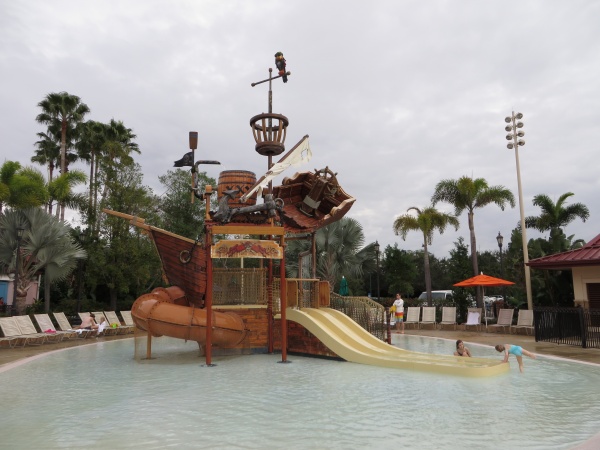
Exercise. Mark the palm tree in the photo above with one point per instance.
(116, 151)
(555, 216)
(61, 190)
(89, 146)
(21, 187)
(339, 251)
(62, 111)
(46, 246)
(470, 194)
(427, 221)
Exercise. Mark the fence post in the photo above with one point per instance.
(583, 328)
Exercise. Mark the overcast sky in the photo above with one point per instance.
(395, 96)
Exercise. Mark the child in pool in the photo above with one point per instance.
(509, 349)
(461, 350)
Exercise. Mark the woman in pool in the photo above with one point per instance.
(509, 349)
(461, 350)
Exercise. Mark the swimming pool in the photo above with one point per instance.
(98, 396)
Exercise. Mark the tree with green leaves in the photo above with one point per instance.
(555, 216)
(178, 214)
(46, 246)
(339, 251)
(122, 258)
(470, 194)
(61, 189)
(21, 187)
(399, 271)
(427, 221)
(62, 111)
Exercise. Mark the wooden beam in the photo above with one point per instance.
(248, 229)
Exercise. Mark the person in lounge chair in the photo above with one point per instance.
(461, 350)
(509, 349)
(89, 323)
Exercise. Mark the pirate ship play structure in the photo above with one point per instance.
(253, 310)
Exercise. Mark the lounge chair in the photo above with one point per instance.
(64, 325)
(45, 324)
(412, 315)
(524, 321)
(112, 318)
(428, 316)
(28, 330)
(126, 315)
(473, 318)
(448, 316)
(12, 333)
(505, 317)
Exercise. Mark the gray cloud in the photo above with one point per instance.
(395, 95)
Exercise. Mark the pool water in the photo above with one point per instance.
(99, 396)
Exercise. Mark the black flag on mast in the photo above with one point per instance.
(187, 160)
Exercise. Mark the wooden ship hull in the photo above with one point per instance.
(177, 311)
(312, 200)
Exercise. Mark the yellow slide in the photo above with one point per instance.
(353, 343)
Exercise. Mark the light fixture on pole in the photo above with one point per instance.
(515, 134)
(20, 231)
(500, 240)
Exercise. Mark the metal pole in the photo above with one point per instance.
(524, 235)
(516, 133)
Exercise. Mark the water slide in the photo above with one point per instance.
(353, 343)
(166, 312)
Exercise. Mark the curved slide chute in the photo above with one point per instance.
(353, 343)
(166, 312)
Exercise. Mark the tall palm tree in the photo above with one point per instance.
(470, 194)
(427, 221)
(555, 216)
(89, 146)
(62, 111)
(46, 246)
(21, 187)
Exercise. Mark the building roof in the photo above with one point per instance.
(588, 255)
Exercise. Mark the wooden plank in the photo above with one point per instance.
(248, 229)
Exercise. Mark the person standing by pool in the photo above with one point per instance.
(509, 349)
(399, 312)
(461, 350)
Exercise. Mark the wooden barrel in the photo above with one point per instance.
(240, 180)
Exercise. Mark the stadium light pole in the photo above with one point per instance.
(515, 133)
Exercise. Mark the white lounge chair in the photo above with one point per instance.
(108, 331)
(412, 315)
(473, 318)
(126, 315)
(428, 316)
(28, 330)
(448, 316)
(112, 318)
(12, 333)
(524, 321)
(45, 324)
(505, 317)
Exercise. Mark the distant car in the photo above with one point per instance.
(437, 296)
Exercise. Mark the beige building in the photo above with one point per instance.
(585, 264)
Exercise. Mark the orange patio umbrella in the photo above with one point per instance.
(483, 280)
